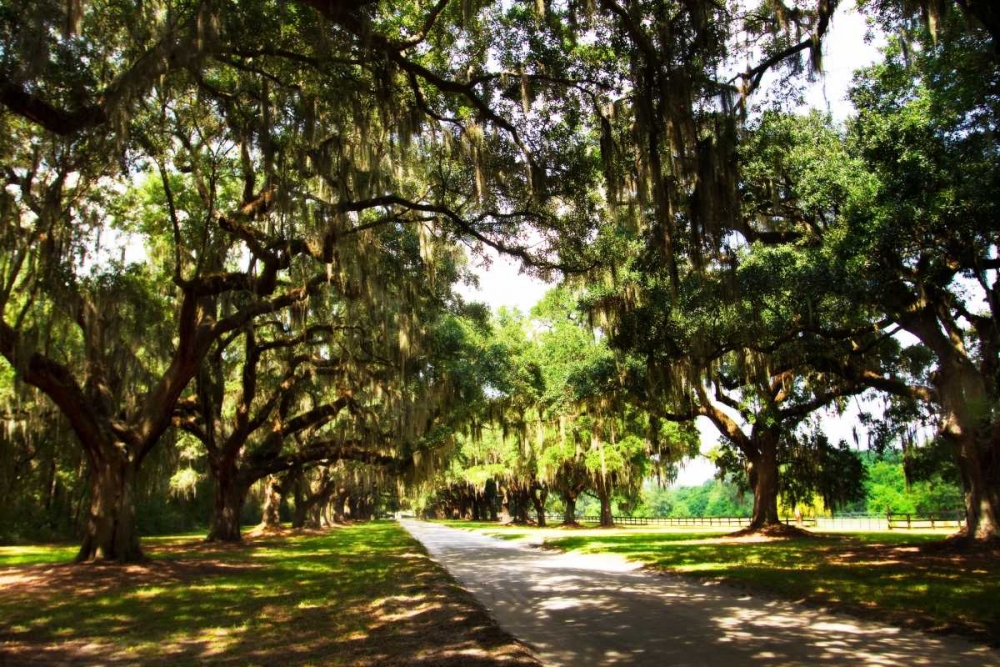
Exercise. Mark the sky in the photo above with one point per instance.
(844, 51)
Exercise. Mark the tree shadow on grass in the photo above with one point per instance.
(357, 596)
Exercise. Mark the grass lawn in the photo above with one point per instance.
(909, 578)
(360, 595)
(36, 554)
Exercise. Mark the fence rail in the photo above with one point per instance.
(659, 520)
(885, 521)
(933, 520)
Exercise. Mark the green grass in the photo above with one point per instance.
(356, 594)
(37, 554)
(40, 554)
(886, 573)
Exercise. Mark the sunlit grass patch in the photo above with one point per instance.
(506, 534)
(37, 554)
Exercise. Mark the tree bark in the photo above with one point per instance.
(976, 443)
(491, 499)
(569, 516)
(110, 532)
(477, 506)
(228, 498)
(515, 504)
(339, 503)
(539, 493)
(602, 487)
(968, 400)
(271, 515)
(763, 476)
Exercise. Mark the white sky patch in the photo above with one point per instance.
(844, 52)
(503, 284)
(114, 246)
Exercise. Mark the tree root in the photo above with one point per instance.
(772, 530)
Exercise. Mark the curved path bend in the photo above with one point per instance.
(583, 609)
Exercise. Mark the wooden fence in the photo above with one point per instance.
(954, 519)
(932, 520)
(659, 521)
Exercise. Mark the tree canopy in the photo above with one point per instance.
(233, 236)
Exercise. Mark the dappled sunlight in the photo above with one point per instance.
(914, 580)
(576, 608)
(359, 596)
(779, 631)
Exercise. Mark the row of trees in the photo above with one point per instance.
(885, 488)
(554, 426)
(295, 196)
(300, 193)
(770, 266)
(835, 244)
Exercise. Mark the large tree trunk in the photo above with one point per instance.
(763, 476)
(228, 498)
(569, 515)
(366, 508)
(339, 502)
(491, 499)
(110, 532)
(976, 442)
(477, 506)
(304, 498)
(539, 493)
(603, 488)
(271, 513)
(515, 504)
(980, 468)
(522, 504)
(491, 505)
(464, 507)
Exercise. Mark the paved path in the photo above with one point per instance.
(591, 610)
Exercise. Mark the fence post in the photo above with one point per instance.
(888, 517)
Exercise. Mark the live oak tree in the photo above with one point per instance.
(911, 243)
(268, 147)
(753, 340)
(599, 441)
(719, 366)
(344, 355)
(669, 137)
(556, 421)
(923, 246)
(245, 441)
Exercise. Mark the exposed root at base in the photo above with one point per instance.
(778, 530)
(962, 543)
